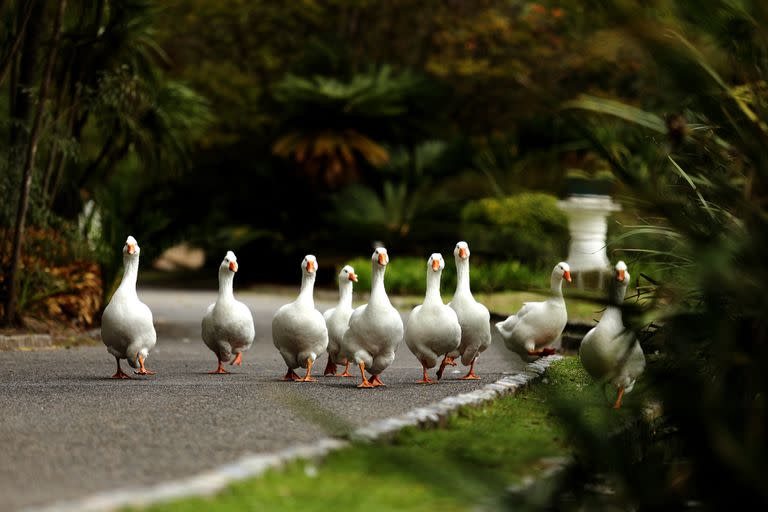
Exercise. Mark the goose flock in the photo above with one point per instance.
(368, 336)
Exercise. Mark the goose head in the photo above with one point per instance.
(347, 274)
(621, 283)
(622, 275)
(436, 263)
(131, 248)
(380, 257)
(562, 271)
(229, 263)
(309, 265)
(461, 252)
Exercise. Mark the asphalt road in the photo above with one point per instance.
(67, 430)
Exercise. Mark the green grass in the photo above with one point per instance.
(469, 462)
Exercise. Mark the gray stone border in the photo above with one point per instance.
(25, 341)
(210, 482)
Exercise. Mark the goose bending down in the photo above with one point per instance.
(537, 324)
(337, 321)
(126, 325)
(298, 329)
(227, 326)
(375, 329)
(474, 318)
(610, 352)
(433, 328)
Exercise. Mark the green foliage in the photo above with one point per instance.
(412, 202)
(332, 124)
(704, 183)
(527, 226)
(407, 275)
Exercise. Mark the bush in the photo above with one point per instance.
(59, 282)
(528, 227)
(407, 275)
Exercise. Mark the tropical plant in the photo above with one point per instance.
(412, 200)
(332, 126)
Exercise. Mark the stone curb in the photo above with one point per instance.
(213, 481)
(24, 341)
(437, 413)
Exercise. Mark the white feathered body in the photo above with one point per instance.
(432, 331)
(299, 333)
(227, 328)
(375, 331)
(475, 322)
(611, 353)
(337, 322)
(127, 328)
(535, 326)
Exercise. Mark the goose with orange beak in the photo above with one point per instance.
(474, 318)
(537, 324)
(298, 329)
(127, 328)
(610, 352)
(433, 328)
(337, 321)
(375, 329)
(227, 327)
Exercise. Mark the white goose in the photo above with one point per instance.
(227, 326)
(610, 352)
(433, 328)
(474, 318)
(337, 321)
(126, 325)
(298, 329)
(375, 329)
(537, 324)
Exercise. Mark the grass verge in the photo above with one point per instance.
(468, 463)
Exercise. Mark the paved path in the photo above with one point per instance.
(66, 430)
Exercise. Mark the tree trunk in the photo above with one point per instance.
(29, 165)
(10, 58)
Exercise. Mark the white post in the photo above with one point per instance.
(588, 225)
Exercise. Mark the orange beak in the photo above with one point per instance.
(567, 275)
(310, 266)
(463, 253)
(353, 276)
(435, 265)
(233, 266)
(620, 275)
(383, 259)
(131, 248)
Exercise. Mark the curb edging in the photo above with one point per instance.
(25, 341)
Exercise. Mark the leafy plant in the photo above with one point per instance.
(527, 226)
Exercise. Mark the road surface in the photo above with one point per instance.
(67, 430)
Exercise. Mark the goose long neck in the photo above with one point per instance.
(131, 272)
(307, 288)
(345, 294)
(226, 279)
(556, 286)
(378, 293)
(433, 288)
(462, 277)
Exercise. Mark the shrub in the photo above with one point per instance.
(59, 282)
(407, 275)
(528, 227)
